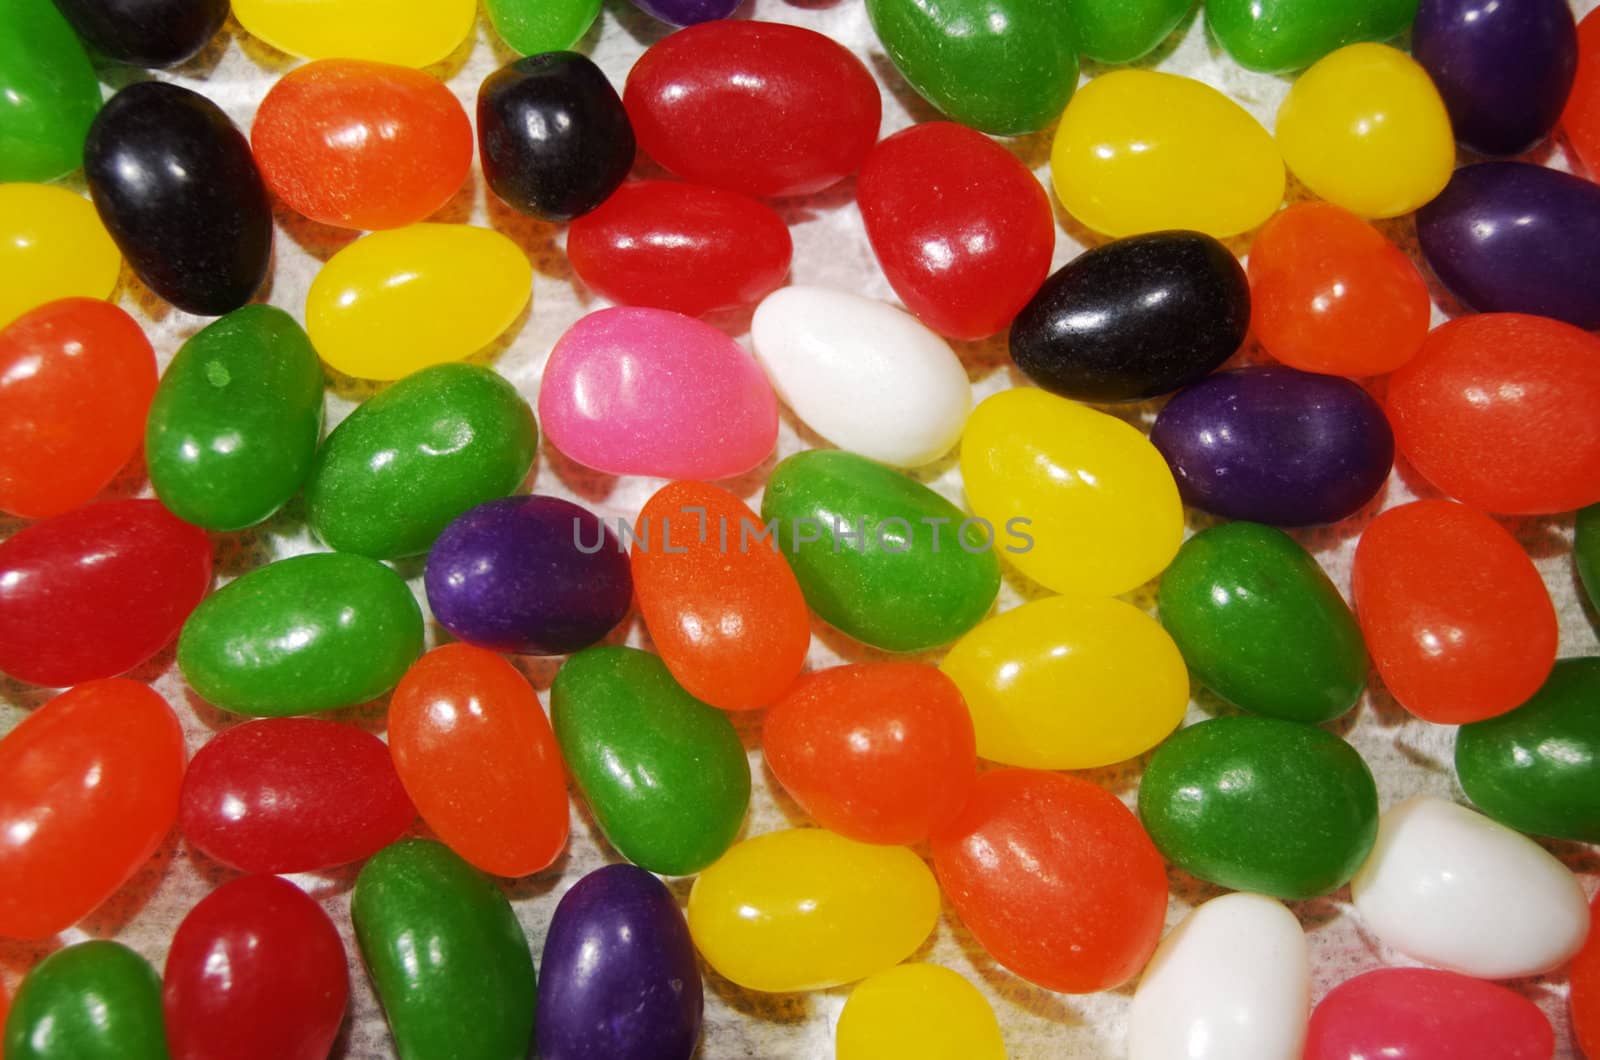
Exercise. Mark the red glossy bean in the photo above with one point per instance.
(1586, 986)
(1425, 1014)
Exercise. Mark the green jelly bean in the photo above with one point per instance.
(530, 27)
(1586, 550)
(665, 774)
(1537, 769)
(1003, 66)
(310, 633)
(449, 960)
(1262, 805)
(393, 475)
(1262, 626)
(1120, 31)
(48, 93)
(1277, 36)
(234, 424)
(94, 1001)
(879, 555)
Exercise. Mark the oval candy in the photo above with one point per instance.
(48, 94)
(146, 34)
(920, 1010)
(1418, 1013)
(529, 27)
(95, 1000)
(411, 33)
(1585, 992)
(1120, 31)
(52, 246)
(1277, 36)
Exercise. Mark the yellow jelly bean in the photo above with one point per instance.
(393, 302)
(1365, 128)
(403, 32)
(1069, 683)
(52, 246)
(918, 1012)
(1098, 499)
(1138, 151)
(804, 909)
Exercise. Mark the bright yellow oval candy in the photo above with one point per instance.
(394, 302)
(804, 909)
(1138, 151)
(1098, 499)
(52, 246)
(403, 32)
(1365, 129)
(1069, 683)
(918, 1012)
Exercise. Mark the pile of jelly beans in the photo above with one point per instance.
(956, 764)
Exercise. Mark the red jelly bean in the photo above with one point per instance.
(1581, 119)
(476, 754)
(256, 972)
(690, 248)
(293, 795)
(1424, 1014)
(361, 144)
(1331, 294)
(76, 378)
(1586, 986)
(1457, 620)
(97, 591)
(757, 107)
(88, 789)
(1500, 412)
(878, 752)
(1056, 878)
(963, 230)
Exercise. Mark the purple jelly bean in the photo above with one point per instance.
(687, 12)
(618, 979)
(533, 575)
(1276, 445)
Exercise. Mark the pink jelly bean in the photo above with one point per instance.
(1424, 1014)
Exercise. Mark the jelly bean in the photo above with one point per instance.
(88, 789)
(48, 93)
(474, 749)
(620, 978)
(862, 374)
(962, 229)
(880, 556)
(1277, 36)
(292, 795)
(360, 144)
(398, 301)
(314, 632)
(1461, 412)
(1262, 626)
(804, 909)
(1005, 67)
(1453, 889)
(1510, 237)
(1232, 980)
(1331, 294)
(146, 34)
(1528, 52)
(52, 246)
(178, 190)
(97, 591)
(878, 752)
(1098, 502)
(756, 107)
(1134, 319)
(1139, 151)
(1116, 32)
(1276, 445)
(729, 619)
(256, 972)
(917, 1012)
(664, 773)
(529, 27)
(393, 475)
(1129, 687)
(1581, 118)
(97, 1000)
(553, 135)
(1426, 1014)
(409, 33)
(536, 575)
(1261, 804)
(687, 12)
(689, 248)
(1537, 769)
(235, 422)
(1458, 621)
(1055, 878)
(1585, 996)
(76, 377)
(650, 392)
(1586, 551)
(1365, 129)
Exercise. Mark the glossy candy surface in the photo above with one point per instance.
(52, 246)
(1120, 31)
(48, 93)
(1427, 1014)
(141, 33)
(1277, 36)
(1585, 978)
(917, 1012)
(1580, 120)
(407, 33)
(95, 1000)
(532, 26)
(687, 12)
